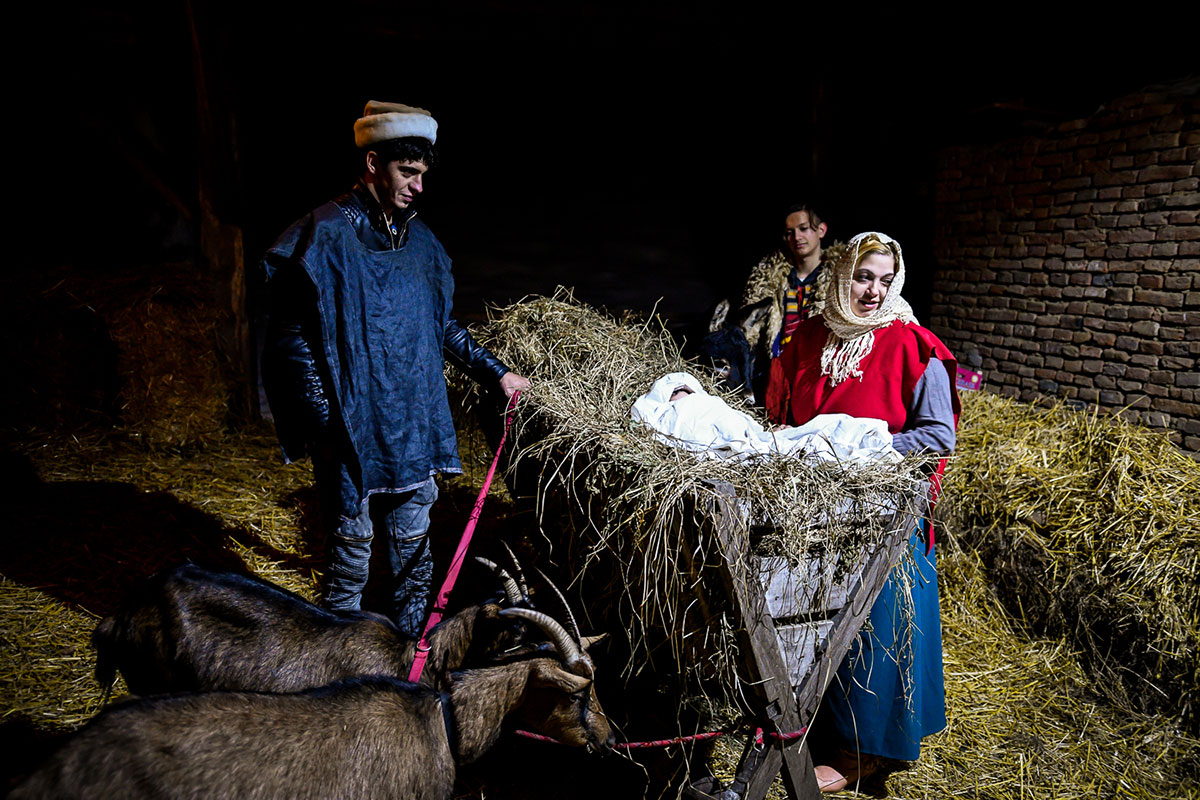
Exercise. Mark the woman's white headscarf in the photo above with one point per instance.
(852, 337)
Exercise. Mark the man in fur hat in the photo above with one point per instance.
(360, 319)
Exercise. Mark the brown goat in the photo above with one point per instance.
(367, 737)
(193, 629)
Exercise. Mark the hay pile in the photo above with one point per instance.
(634, 502)
(1089, 527)
(1025, 720)
(172, 391)
(137, 347)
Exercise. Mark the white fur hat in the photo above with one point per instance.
(383, 121)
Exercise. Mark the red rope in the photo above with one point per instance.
(460, 555)
(759, 736)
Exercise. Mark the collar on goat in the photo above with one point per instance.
(451, 730)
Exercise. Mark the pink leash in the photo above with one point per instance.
(443, 596)
(759, 738)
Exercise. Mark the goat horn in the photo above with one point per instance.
(516, 565)
(566, 608)
(511, 590)
(567, 648)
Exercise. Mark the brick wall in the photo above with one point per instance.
(1068, 263)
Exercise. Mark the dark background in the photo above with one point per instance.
(634, 150)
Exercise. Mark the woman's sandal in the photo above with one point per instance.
(847, 769)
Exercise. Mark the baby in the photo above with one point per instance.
(684, 415)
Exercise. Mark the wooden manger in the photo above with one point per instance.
(795, 627)
(670, 548)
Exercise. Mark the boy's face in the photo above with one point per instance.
(801, 238)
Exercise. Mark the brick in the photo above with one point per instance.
(1146, 328)
(1162, 172)
(1189, 379)
(1128, 343)
(1164, 299)
(1112, 398)
(1141, 235)
(1176, 233)
(1156, 419)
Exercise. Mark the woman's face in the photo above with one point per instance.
(870, 283)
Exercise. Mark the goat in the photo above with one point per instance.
(729, 351)
(193, 629)
(367, 737)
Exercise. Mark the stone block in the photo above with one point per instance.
(1129, 343)
(1113, 369)
(1178, 233)
(1146, 328)
(1163, 299)
(1112, 398)
(1131, 235)
(1160, 172)
(1178, 349)
(1156, 419)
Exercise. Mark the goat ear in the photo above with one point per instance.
(752, 315)
(588, 641)
(718, 318)
(548, 673)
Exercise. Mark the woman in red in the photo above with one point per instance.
(866, 356)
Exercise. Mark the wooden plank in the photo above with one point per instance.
(764, 662)
(766, 673)
(848, 621)
(799, 644)
(808, 589)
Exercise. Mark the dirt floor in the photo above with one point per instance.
(91, 512)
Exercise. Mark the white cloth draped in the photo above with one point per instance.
(708, 426)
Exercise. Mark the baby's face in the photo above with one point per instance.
(679, 392)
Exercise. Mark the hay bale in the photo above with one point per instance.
(1090, 527)
(621, 510)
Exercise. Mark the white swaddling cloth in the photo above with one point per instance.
(706, 425)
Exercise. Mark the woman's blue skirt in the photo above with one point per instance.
(889, 691)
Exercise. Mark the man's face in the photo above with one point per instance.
(801, 238)
(397, 183)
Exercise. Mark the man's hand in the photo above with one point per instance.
(511, 382)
